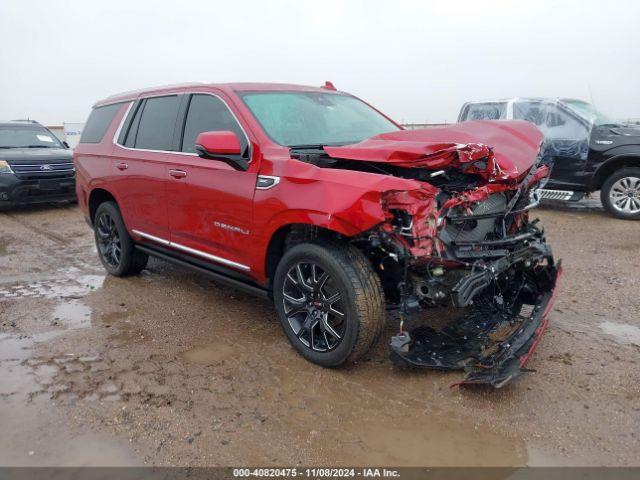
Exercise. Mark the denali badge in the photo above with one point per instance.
(233, 228)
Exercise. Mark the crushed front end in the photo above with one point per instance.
(463, 245)
(492, 275)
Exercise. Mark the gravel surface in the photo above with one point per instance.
(169, 368)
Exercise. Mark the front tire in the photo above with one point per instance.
(115, 247)
(620, 194)
(329, 301)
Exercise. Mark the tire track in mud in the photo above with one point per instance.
(39, 230)
(53, 251)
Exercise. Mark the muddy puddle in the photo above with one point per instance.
(42, 306)
(72, 315)
(333, 417)
(66, 283)
(209, 354)
(426, 440)
(33, 434)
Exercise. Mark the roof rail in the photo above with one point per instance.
(25, 120)
(151, 89)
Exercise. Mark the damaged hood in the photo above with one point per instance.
(502, 151)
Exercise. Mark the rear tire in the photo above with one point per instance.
(329, 301)
(620, 194)
(115, 247)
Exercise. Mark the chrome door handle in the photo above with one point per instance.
(177, 173)
(122, 166)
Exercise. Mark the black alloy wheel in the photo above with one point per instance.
(116, 248)
(313, 307)
(108, 240)
(329, 301)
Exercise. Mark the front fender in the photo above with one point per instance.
(348, 204)
(363, 215)
(342, 216)
(346, 201)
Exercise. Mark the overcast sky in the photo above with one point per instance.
(416, 60)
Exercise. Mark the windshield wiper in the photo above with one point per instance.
(320, 146)
(316, 146)
(38, 146)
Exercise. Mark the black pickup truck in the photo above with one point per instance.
(35, 166)
(588, 151)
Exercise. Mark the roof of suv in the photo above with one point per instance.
(230, 87)
(535, 99)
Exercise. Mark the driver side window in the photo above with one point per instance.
(207, 113)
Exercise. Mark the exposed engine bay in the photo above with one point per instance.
(463, 243)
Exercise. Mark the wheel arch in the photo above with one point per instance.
(295, 225)
(291, 234)
(97, 197)
(612, 165)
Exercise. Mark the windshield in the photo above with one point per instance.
(27, 137)
(590, 113)
(315, 118)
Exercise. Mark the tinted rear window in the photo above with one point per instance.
(98, 123)
(157, 123)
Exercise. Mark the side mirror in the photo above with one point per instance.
(223, 146)
(66, 145)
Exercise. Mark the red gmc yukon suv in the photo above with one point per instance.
(313, 198)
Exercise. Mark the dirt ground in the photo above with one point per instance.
(169, 368)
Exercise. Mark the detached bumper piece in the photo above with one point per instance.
(490, 342)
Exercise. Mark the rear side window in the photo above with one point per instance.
(157, 122)
(98, 123)
(208, 114)
(484, 111)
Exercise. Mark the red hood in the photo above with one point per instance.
(509, 147)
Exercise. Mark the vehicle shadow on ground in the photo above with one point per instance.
(37, 207)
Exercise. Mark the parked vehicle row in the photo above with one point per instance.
(313, 198)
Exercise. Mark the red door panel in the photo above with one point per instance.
(139, 185)
(210, 207)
